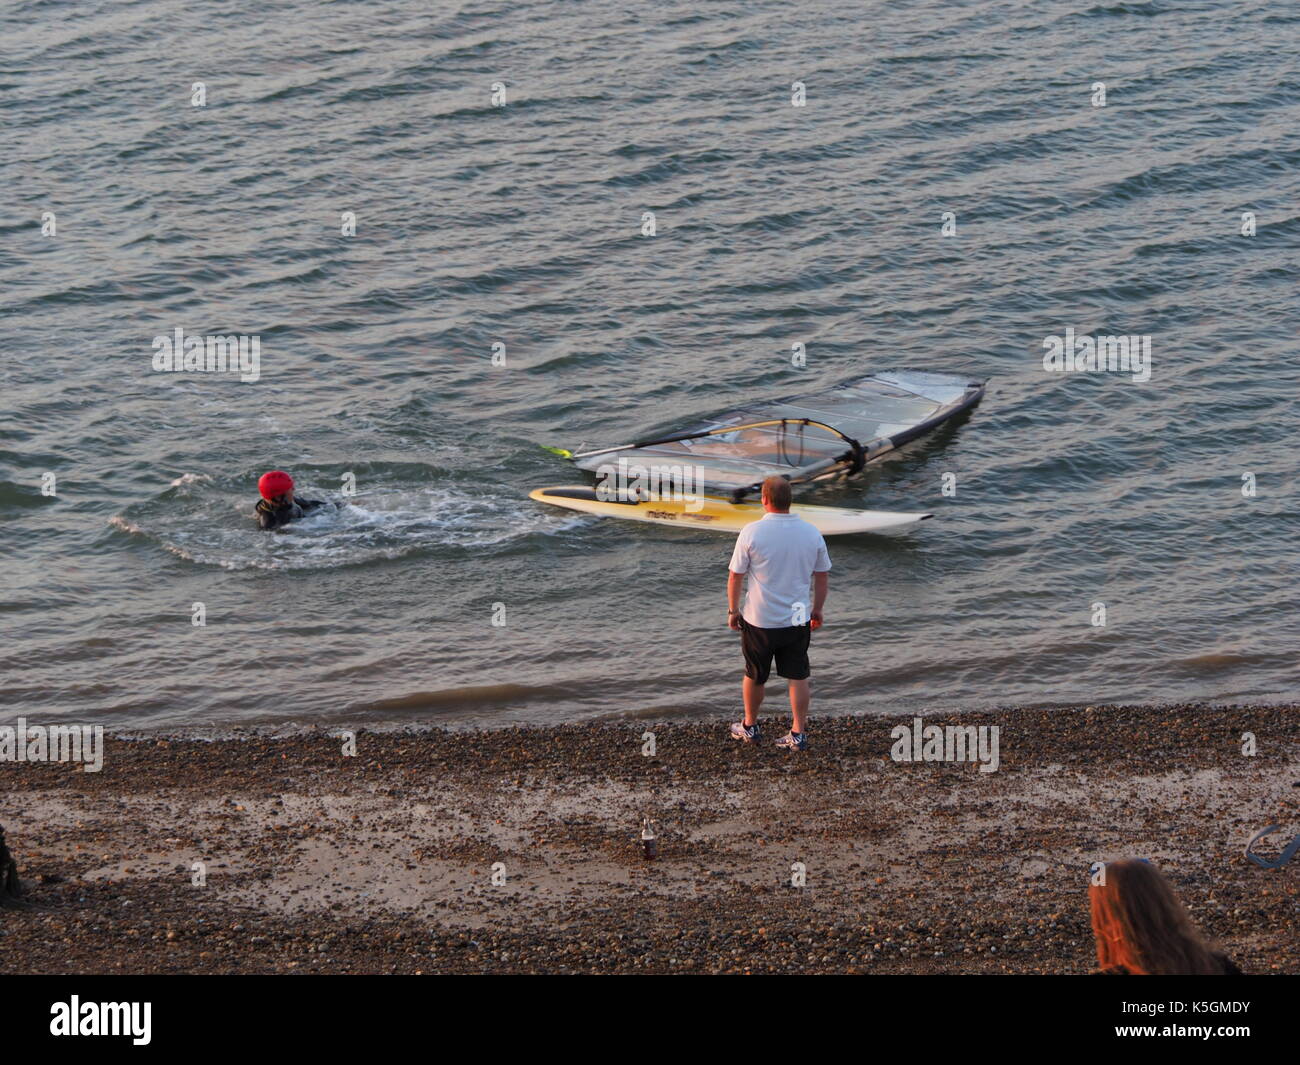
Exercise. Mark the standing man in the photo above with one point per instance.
(782, 554)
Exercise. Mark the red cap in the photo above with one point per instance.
(275, 483)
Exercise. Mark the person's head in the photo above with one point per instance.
(777, 494)
(1140, 924)
(276, 487)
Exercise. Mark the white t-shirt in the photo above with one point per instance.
(780, 552)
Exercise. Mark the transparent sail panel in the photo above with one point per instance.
(871, 411)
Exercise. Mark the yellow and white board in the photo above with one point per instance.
(710, 513)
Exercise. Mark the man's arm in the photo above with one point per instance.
(735, 585)
(821, 585)
(821, 579)
(736, 577)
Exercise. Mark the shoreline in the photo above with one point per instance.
(384, 861)
(667, 717)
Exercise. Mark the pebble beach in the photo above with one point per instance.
(519, 850)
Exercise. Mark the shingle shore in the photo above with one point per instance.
(518, 850)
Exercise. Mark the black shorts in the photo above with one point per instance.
(789, 646)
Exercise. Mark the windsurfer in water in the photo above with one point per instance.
(278, 506)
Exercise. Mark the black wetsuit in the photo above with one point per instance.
(269, 516)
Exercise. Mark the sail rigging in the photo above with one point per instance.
(803, 438)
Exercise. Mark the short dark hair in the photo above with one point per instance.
(776, 490)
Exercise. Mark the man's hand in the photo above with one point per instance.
(816, 620)
(733, 619)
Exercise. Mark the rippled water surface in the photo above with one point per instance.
(521, 226)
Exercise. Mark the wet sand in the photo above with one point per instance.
(518, 850)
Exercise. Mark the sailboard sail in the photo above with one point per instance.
(803, 438)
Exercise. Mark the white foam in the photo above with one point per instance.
(379, 524)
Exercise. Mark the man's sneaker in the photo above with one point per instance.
(793, 741)
(745, 733)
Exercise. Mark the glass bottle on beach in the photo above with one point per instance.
(649, 842)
